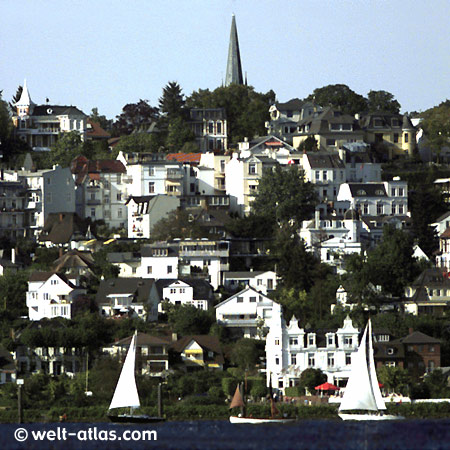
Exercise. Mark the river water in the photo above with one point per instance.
(305, 434)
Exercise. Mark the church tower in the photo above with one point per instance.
(234, 68)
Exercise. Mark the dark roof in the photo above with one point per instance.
(367, 189)
(147, 250)
(367, 121)
(73, 258)
(295, 104)
(242, 275)
(393, 350)
(44, 276)
(325, 160)
(61, 228)
(139, 287)
(433, 277)
(416, 337)
(143, 339)
(208, 343)
(122, 257)
(56, 110)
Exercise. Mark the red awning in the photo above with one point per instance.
(326, 387)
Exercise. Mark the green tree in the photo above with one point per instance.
(394, 379)
(246, 110)
(436, 126)
(16, 97)
(178, 224)
(140, 143)
(179, 134)
(171, 103)
(310, 378)
(308, 145)
(68, 146)
(100, 119)
(382, 101)
(284, 196)
(187, 319)
(339, 96)
(133, 116)
(294, 302)
(245, 354)
(391, 264)
(13, 288)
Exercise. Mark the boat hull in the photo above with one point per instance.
(130, 418)
(256, 421)
(365, 417)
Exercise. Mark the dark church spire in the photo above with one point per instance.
(234, 68)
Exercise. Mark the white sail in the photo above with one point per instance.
(358, 393)
(373, 374)
(126, 394)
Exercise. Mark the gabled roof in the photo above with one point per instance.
(201, 289)
(95, 131)
(238, 294)
(143, 339)
(73, 258)
(416, 337)
(242, 275)
(61, 228)
(207, 342)
(295, 104)
(44, 276)
(139, 287)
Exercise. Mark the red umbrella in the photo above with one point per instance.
(326, 387)
(380, 385)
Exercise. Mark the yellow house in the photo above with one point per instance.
(394, 130)
(200, 351)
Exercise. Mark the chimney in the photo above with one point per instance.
(317, 217)
(60, 217)
(410, 330)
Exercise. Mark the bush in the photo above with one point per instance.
(294, 391)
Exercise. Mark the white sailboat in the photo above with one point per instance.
(126, 394)
(363, 392)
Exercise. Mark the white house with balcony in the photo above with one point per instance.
(290, 350)
(246, 313)
(204, 258)
(41, 125)
(51, 295)
(389, 198)
(46, 191)
(152, 174)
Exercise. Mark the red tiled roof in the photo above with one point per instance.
(96, 132)
(446, 233)
(274, 143)
(184, 157)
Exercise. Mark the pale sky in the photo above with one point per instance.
(106, 54)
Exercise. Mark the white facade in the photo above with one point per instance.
(211, 173)
(389, 198)
(290, 350)
(158, 261)
(47, 191)
(153, 176)
(179, 292)
(51, 296)
(248, 312)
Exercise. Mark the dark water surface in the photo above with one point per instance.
(305, 434)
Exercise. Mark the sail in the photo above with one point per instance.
(358, 393)
(373, 374)
(237, 401)
(126, 394)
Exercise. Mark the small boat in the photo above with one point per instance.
(126, 394)
(362, 393)
(238, 402)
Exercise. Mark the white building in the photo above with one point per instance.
(211, 174)
(151, 174)
(262, 281)
(159, 260)
(40, 125)
(51, 295)
(101, 190)
(389, 198)
(198, 293)
(146, 211)
(246, 313)
(291, 349)
(47, 191)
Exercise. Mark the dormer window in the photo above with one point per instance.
(395, 123)
(379, 192)
(361, 192)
